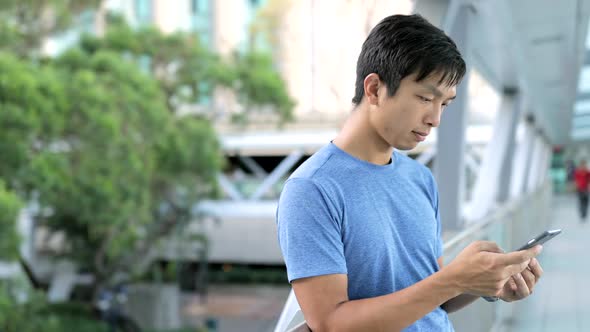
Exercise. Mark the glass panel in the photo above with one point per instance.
(582, 107)
(483, 101)
(581, 133)
(580, 121)
(584, 83)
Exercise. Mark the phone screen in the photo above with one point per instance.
(540, 239)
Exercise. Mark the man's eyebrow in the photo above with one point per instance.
(435, 90)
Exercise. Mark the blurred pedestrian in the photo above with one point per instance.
(581, 176)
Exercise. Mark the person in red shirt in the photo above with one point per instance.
(582, 177)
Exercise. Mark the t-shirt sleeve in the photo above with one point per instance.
(438, 249)
(439, 242)
(309, 231)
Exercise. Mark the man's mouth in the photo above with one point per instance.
(420, 136)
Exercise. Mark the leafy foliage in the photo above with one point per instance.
(95, 135)
(94, 139)
(188, 72)
(10, 205)
(24, 24)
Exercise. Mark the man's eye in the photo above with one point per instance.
(424, 99)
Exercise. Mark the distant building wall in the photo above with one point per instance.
(319, 41)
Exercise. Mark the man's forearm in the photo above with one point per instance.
(459, 302)
(396, 311)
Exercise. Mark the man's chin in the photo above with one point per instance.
(406, 147)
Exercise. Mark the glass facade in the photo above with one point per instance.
(251, 8)
(201, 20)
(143, 11)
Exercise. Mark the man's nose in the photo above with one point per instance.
(433, 118)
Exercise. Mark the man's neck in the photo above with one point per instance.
(359, 139)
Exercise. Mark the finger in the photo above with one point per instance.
(489, 246)
(529, 278)
(522, 290)
(536, 268)
(516, 268)
(521, 256)
(512, 284)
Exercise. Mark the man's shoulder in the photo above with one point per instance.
(317, 167)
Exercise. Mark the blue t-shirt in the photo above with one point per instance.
(377, 224)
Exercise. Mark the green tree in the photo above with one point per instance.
(257, 87)
(24, 24)
(188, 72)
(95, 136)
(10, 205)
(114, 169)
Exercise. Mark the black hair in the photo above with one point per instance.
(401, 45)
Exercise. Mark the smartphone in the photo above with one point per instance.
(540, 239)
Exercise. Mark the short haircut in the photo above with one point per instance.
(401, 45)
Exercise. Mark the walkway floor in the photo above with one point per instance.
(561, 300)
(238, 308)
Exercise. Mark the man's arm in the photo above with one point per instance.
(325, 305)
(479, 269)
(458, 302)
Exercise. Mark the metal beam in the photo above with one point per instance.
(451, 14)
(516, 104)
(449, 164)
(521, 161)
(535, 161)
(471, 163)
(277, 173)
(228, 187)
(253, 166)
(544, 166)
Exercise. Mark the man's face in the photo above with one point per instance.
(406, 118)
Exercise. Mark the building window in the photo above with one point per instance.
(248, 42)
(199, 6)
(201, 20)
(143, 11)
(86, 22)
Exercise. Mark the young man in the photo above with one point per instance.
(358, 223)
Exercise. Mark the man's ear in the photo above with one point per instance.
(372, 84)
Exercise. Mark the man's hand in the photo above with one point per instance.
(521, 285)
(483, 269)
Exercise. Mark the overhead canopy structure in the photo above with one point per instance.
(536, 47)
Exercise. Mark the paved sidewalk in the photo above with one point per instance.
(243, 308)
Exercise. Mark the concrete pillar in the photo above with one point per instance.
(448, 166)
(522, 159)
(534, 164)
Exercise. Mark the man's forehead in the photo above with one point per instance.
(438, 88)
